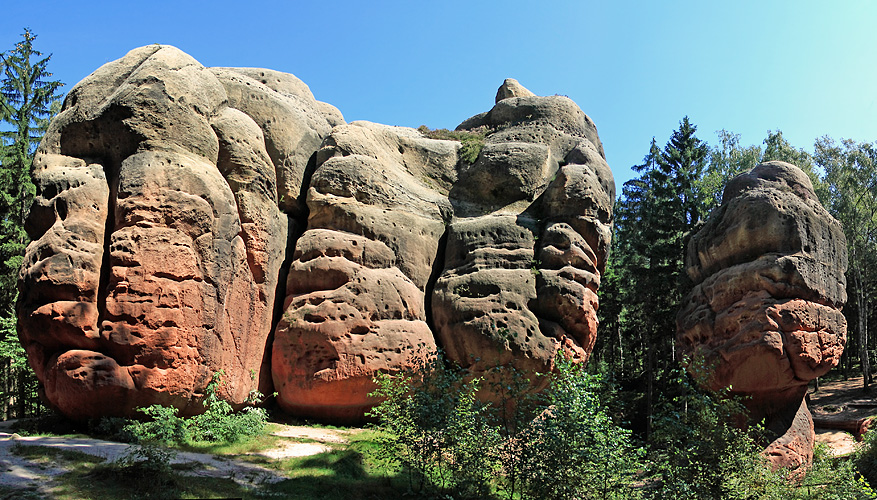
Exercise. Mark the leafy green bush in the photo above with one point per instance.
(866, 458)
(448, 442)
(697, 451)
(574, 449)
(219, 423)
(437, 431)
(164, 426)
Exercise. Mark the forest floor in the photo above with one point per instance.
(23, 472)
(842, 412)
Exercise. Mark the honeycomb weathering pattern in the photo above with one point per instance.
(765, 315)
(170, 195)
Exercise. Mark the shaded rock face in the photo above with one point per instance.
(528, 241)
(158, 239)
(170, 195)
(765, 315)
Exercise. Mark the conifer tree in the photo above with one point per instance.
(28, 95)
(655, 216)
(29, 98)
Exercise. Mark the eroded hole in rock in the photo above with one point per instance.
(476, 290)
(314, 318)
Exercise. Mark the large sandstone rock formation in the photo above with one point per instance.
(765, 315)
(158, 237)
(170, 195)
(529, 238)
(409, 247)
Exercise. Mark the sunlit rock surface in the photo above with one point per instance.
(193, 219)
(765, 315)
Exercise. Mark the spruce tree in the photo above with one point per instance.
(29, 98)
(28, 95)
(655, 216)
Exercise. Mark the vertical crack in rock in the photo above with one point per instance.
(296, 227)
(438, 265)
(109, 227)
(245, 227)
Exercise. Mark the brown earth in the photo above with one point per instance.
(842, 411)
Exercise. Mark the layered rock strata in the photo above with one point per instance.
(158, 237)
(764, 317)
(170, 195)
(529, 237)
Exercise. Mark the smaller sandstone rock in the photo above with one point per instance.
(511, 88)
(765, 312)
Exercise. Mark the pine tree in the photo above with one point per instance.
(655, 216)
(29, 99)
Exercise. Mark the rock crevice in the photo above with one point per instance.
(223, 219)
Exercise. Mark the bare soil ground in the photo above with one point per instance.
(21, 472)
(842, 412)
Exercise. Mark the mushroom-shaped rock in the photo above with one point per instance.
(764, 316)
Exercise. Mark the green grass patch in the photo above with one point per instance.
(45, 454)
(252, 444)
(472, 140)
(350, 471)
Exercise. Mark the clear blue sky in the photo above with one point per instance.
(804, 67)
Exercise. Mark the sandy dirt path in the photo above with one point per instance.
(841, 412)
(37, 476)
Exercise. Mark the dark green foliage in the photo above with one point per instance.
(472, 140)
(655, 216)
(28, 98)
(698, 450)
(218, 424)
